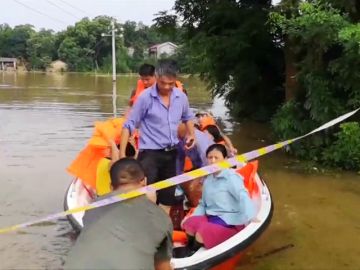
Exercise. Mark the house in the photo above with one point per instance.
(57, 66)
(7, 63)
(130, 51)
(162, 49)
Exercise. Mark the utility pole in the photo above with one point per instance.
(113, 51)
(113, 31)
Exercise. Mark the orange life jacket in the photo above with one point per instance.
(86, 163)
(188, 165)
(140, 87)
(248, 172)
(207, 121)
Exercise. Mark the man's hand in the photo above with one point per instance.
(190, 142)
(233, 150)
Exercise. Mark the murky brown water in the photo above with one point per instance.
(46, 120)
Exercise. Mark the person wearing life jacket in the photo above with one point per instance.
(147, 79)
(159, 104)
(191, 159)
(194, 158)
(93, 162)
(205, 119)
(103, 181)
(214, 132)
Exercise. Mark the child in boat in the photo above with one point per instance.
(197, 155)
(225, 207)
(205, 119)
(215, 134)
(103, 183)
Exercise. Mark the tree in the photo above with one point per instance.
(13, 41)
(41, 49)
(327, 53)
(233, 49)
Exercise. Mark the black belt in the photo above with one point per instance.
(170, 148)
(166, 149)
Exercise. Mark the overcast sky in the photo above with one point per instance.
(58, 14)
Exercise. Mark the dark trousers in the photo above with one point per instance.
(160, 165)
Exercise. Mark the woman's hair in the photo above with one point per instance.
(215, 132)
(218, 147)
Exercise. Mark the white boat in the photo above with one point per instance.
(223, 256)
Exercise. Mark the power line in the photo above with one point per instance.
(74, 7)
(41, 13)
(64, 10)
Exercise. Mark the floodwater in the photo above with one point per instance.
(46, 120)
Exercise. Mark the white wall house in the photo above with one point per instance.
(166, 48)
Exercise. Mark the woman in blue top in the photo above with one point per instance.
(225, 207)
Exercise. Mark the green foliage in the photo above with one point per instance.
(229, 43)
(291, 121)
(82, 46)
(327, 49)
(166, 24)
(345, 151)
(41, 49)
(77, 58)
(13, 40)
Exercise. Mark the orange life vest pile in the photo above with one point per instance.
(85, 164)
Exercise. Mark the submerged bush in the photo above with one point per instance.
(345, 151)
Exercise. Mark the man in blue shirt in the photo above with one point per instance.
(157, 114)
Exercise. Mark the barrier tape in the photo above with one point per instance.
(180, 178)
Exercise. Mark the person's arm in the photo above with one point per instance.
(114, 152)
(111, 143)
(187, 117)
(200, 209)
(238, 190)
(229, 144)
(131, 96)
(190, 138)
(164, 253)
(135, 116)
(125, 134)
(163, 265)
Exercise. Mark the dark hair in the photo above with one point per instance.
(218, 147)
(166, 68)
(215, 132)
(146, 70)
(126, 170)
(129, 151)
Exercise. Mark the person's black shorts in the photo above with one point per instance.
(160, 165)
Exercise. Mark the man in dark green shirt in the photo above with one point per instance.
(134, 234)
